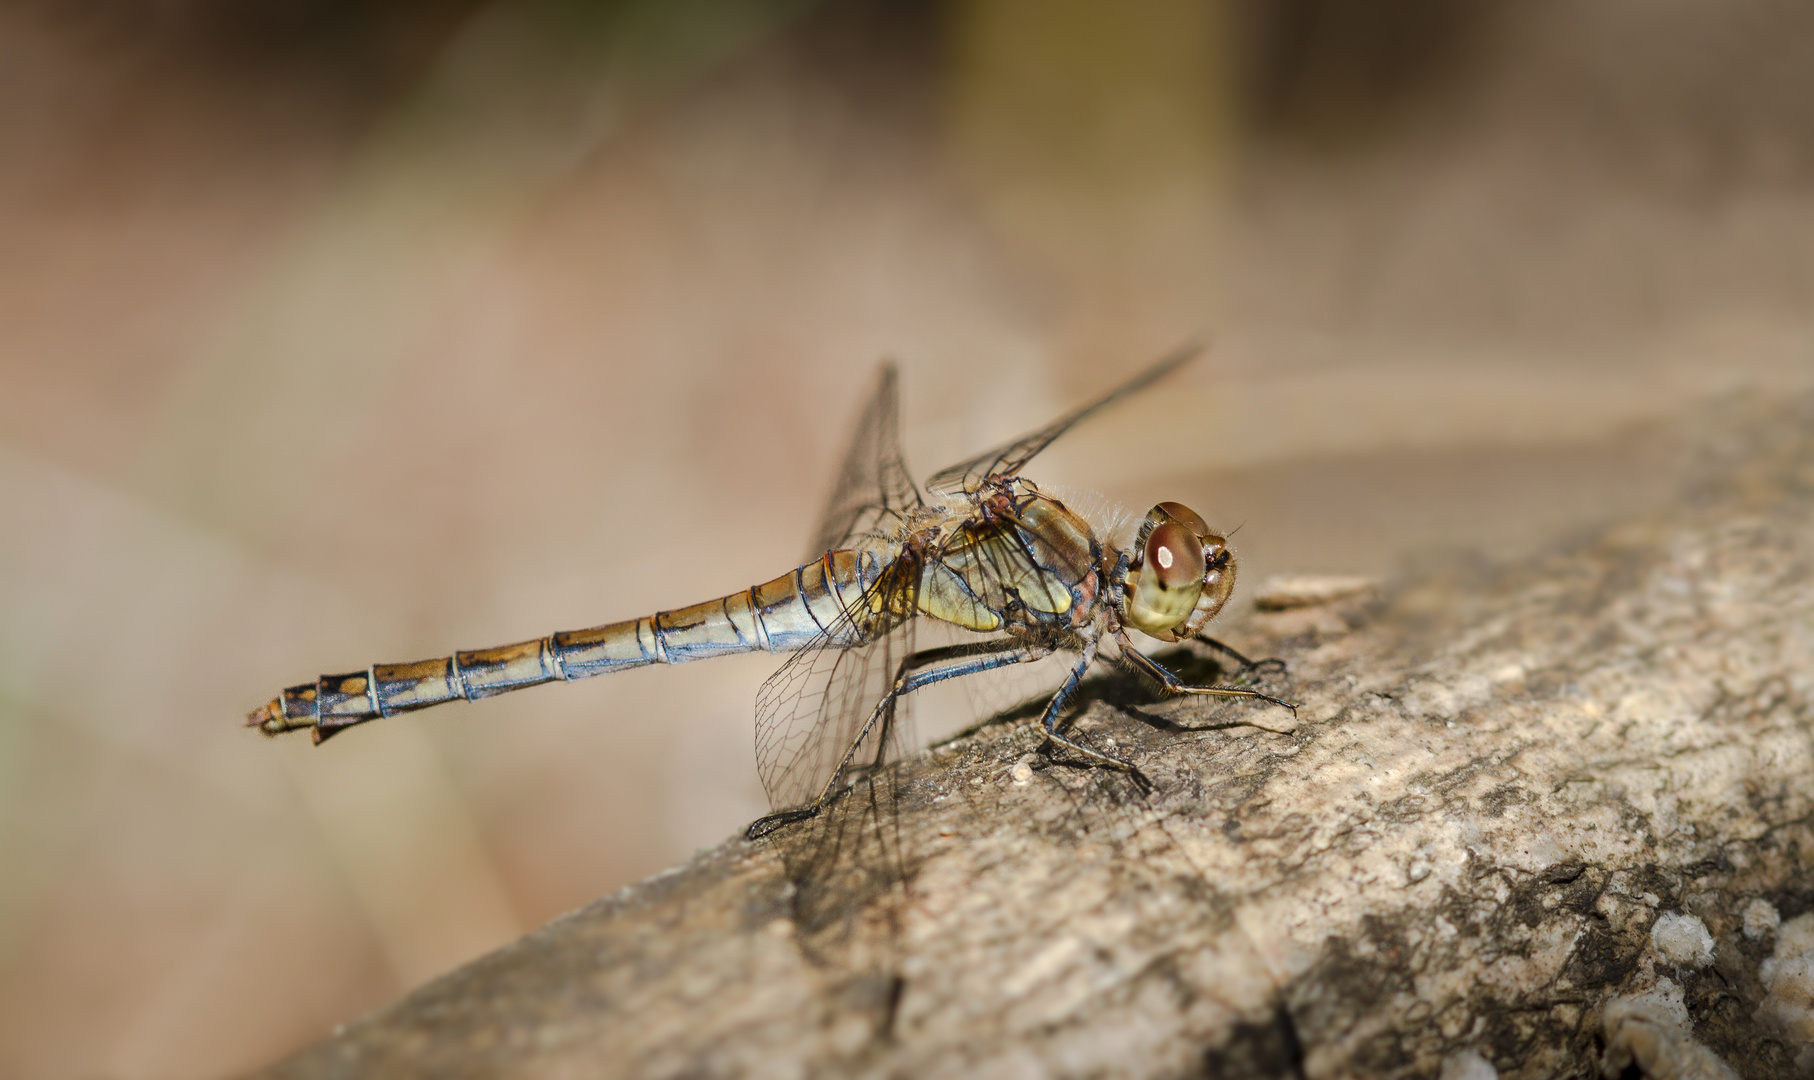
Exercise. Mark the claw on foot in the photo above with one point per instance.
(763, 826)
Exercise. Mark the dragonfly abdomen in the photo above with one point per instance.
(782, 615)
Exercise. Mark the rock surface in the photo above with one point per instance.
(1501, 779)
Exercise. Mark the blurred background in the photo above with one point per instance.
(333, 332)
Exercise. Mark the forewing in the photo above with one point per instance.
(810, 711)
(967, 477)
(874, 491)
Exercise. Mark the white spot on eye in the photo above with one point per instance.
(1164, 556)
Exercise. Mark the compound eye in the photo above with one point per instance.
(1184, 516)
(1164, 590)
(1174, 556)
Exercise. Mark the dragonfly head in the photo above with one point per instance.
(1180, 576)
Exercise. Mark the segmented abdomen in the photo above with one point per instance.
(782, 615)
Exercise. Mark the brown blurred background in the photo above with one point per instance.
(334, 332)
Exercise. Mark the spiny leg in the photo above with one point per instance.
(1049, 721)
(920, 670)
(1146, 665)
(1241, 658)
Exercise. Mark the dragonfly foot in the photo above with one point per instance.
(762, 826)
(1106, 760)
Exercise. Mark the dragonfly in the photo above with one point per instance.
(1013, 574)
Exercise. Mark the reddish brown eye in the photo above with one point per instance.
(1173, 556)
(1185, 516)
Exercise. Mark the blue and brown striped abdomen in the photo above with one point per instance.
(788, 613)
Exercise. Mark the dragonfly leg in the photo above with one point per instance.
(920, 670)
(1246, 664)
(1151, 668)
(1049, 721)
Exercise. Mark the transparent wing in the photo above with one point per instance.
(874, 492)
(810, 711)
(967, 477)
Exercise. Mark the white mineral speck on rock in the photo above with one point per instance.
(1760, 919)
(1663, 1002)
(1650, 1032)
(1682, 940)
(1788, 978)
(1467, 1065)
(1796, 936)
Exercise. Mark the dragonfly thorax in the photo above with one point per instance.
(1179, 574)
(1020, 561)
